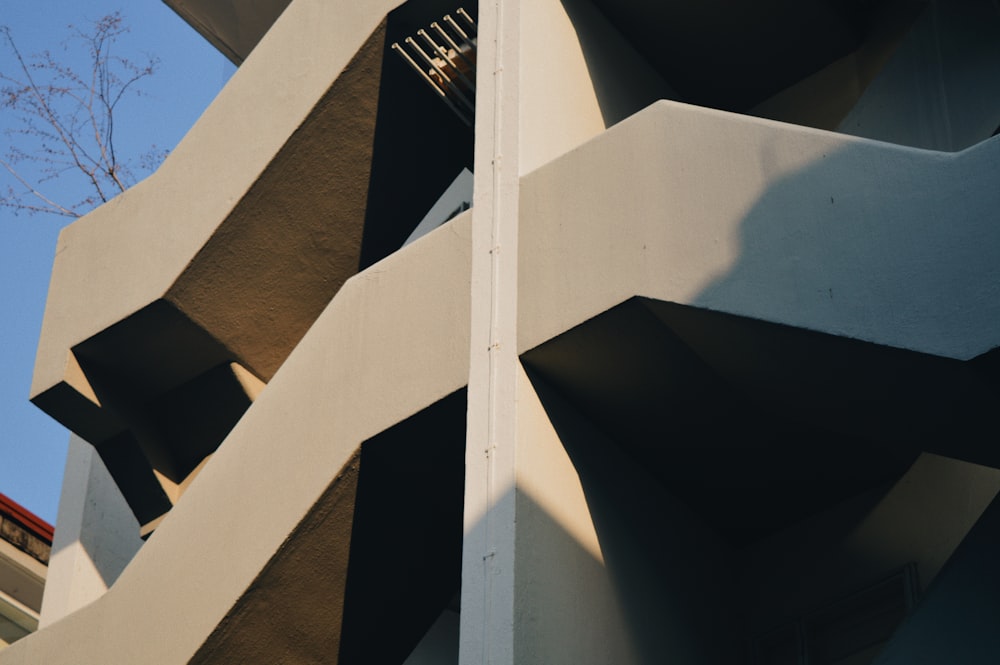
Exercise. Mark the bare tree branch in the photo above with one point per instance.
(50, 205)
(64, 121)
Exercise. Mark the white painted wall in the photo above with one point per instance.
(578, 77)
(610, 568)
(96, 535)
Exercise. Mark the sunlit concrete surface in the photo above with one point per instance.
(766, 220)
(707, 374)
(224, 565)
(253, 209)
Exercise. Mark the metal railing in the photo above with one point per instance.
(449, 58)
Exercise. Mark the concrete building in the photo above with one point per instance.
(25, 544)
(707, 373)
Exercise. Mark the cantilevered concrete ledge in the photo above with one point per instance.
(783, 273)
(280, 175)
(213, 572)
(233, 26)
(228, 253)
(831, 233)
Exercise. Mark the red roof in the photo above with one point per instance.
(27, 519)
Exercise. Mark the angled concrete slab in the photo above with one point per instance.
(234, 27)
(806, 228)
(390, 344)
(225, 256)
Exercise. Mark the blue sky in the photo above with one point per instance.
(190, 74)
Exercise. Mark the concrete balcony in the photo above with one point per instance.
(769, 352)
(688, 381)
(769, 221)
(346, 407)
(204, 277)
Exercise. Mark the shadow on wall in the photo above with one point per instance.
(373, 563)
(623, 82)
(669, 573)
(874, 269)
(401, 502)
(96, 537)
(665, 582)
(406, 539)
(676, 585)
(957, 620)
(902, 253)
(893, 247)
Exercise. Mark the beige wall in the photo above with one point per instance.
(357, 373)
(746, 226)
(96, 537)
(610, 567)
(572, 551)
(579, 76)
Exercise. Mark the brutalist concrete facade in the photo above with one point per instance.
(707, 374)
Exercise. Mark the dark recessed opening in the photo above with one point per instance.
(406, 543)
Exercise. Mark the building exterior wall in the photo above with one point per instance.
(25, 546)
(707, 368)
(97, 537)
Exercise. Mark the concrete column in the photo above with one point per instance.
(96, 535)
(552, 74)
(487, 602)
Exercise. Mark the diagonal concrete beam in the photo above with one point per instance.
(227, 254)
(832, 233)
(383, 350)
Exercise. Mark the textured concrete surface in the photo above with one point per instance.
(279, 189)
(807, 228)
(96, 535)
(227, 254)
(705, 259)
(221, 551)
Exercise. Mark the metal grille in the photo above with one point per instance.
(448, 55)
